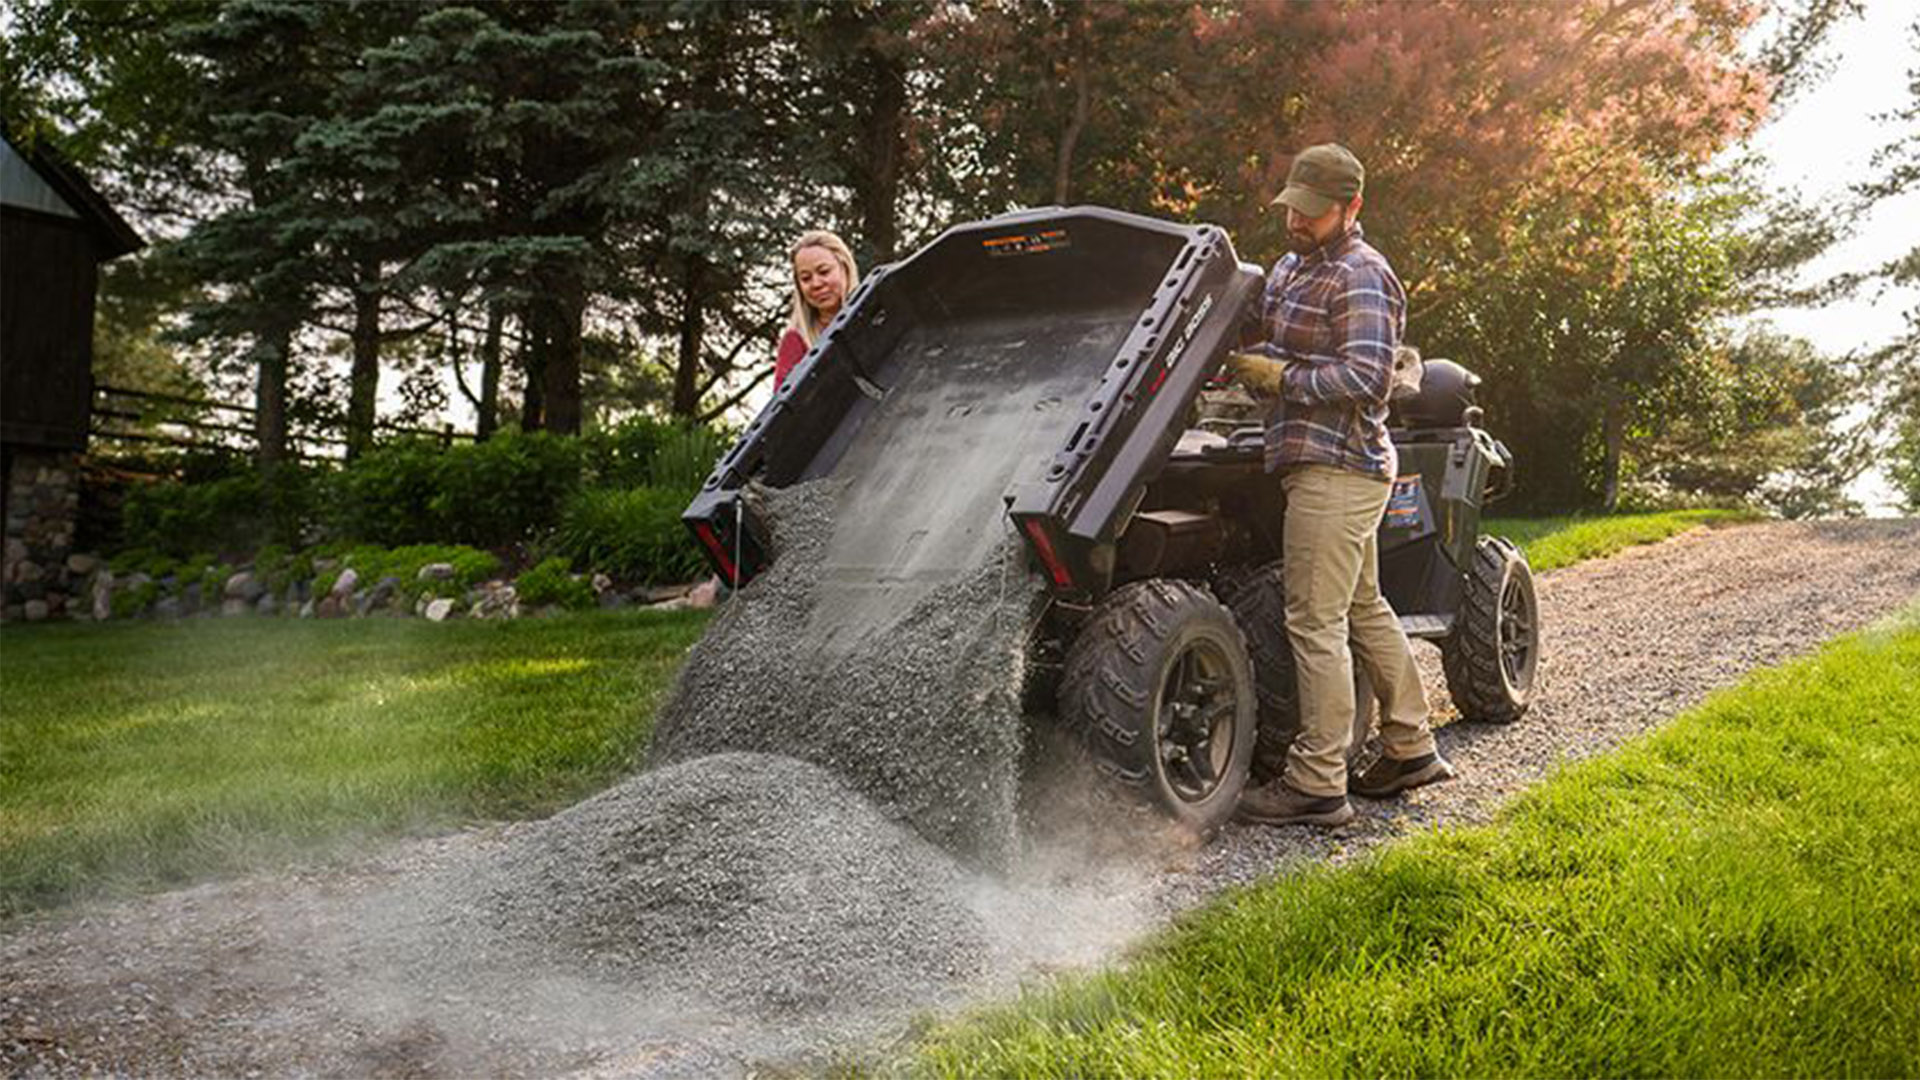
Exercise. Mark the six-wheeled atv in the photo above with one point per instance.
(1051, 360)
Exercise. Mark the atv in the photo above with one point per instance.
(1055, 361)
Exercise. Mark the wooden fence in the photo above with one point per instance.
(124, 418)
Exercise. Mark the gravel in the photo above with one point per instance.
(736, 910)
(917, 707)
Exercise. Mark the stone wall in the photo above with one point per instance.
(41, 574)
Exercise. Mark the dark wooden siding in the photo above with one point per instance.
(48, 276)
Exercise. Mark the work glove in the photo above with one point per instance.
(1260, 374)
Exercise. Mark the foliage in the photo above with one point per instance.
(270, 740)
(634, 534)
(232, 514)
(371, 563)
(592, 196)
(493, 493)
(552, 582)
(1733, 895)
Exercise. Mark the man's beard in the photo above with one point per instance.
(1302, 244)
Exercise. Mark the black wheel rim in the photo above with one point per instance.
(1198, 706)
(1516, 632)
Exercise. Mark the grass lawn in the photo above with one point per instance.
(145, 755)
(1737, 894)
(1554, 542)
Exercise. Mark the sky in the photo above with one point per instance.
(1823, 142)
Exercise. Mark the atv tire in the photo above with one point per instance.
(1258, 600)
(1491, 656)
(1159, 690)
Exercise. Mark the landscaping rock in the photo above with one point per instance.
(168, 607)
(704, 595)
(613, 601)
(245, 585)
(82, 565)
(437, 571)
(381, 595)
(309, 608)
(331, 606)
(498, 600)
(344, 585)
(103, 595)
(232, 606)
(439, 609)
(267, 604)
(35, 610)
(193, 596)
(601, 583)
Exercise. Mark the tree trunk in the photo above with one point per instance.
(560, 374)
(488, 419)
(363, 381)
(883, 142)
(533, 359)
(271, 352)
(1613, 432)
(693, 316)
(1082, 104)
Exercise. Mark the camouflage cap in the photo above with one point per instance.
(1322, 177)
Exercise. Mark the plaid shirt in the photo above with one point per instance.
(1334, 316)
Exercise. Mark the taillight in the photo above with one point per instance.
(712, 540)
(1043, 547)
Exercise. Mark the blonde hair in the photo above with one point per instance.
(804, 318)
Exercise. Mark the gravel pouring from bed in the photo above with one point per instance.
(369, 972)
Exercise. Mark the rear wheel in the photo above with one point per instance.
(1258, 600)
(1158, 686)
(1494, 649)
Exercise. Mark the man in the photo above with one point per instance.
(1332, 314)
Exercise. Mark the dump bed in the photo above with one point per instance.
(1032, 371)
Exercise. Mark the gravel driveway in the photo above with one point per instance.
(333, 971)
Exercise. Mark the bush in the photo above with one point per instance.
(491, 494)
(501, 491)
(471, 566)
(386, 496)
(685, 456)
(634, 534)
(622, 456)
(551, 582)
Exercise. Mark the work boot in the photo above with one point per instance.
(1278, 804)
(1387, 776)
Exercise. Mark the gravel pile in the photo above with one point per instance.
(919, 710)
(750, 884)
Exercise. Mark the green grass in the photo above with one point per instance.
(1554, 542)
(141, 756)
(1735, 895)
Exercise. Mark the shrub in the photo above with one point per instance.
(231, 514)
(500, 491)
(371, 563)
(552, 583)
(622, 456)
(684, 458)
(386, 496)
(634, 534)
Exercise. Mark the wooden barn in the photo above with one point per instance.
(55, 231)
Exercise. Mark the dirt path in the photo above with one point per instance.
(327, 972)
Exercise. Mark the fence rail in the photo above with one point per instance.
(124, 415)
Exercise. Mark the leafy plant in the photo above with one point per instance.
(634, 534)
(552, 582)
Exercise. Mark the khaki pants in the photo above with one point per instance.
(1333, 601)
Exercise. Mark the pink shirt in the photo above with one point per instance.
(793, 348)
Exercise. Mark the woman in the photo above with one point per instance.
(823, 275)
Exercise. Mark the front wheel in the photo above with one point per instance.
(1491, 656)
(1158, 687)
